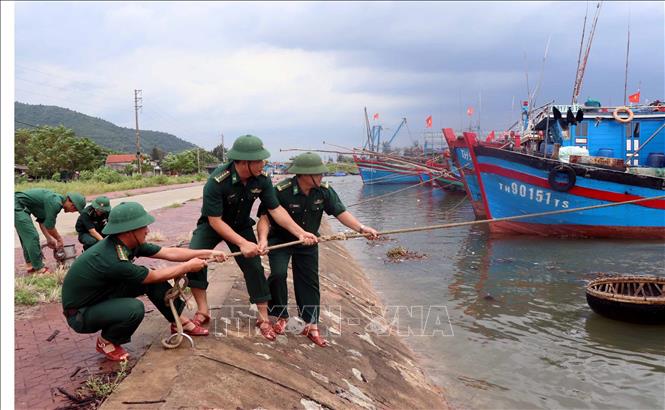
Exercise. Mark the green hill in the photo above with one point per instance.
(102, 132)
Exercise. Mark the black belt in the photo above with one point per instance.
(70, 312)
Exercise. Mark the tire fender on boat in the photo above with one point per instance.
(619, 110)
(570, 174)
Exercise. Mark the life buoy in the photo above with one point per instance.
(570, 175)
(627, 110)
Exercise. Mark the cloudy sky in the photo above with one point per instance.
(296, 74)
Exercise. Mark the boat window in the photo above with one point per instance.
(636, 130)
(629, 130)
(581, 129)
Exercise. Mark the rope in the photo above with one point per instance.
(507, 218)
(177, 291)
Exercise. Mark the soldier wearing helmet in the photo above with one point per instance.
(228, 197)
(100, 289)
(92, 221)
(45, 205)
(305, 197)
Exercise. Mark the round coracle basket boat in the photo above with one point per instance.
(638, 299)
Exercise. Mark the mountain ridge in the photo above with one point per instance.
(102, 132)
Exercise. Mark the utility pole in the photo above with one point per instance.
(223, 149)
(138, 98)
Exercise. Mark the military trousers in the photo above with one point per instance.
(305, 263)
(119, 316)
(205, 237)
(87, 240)
(27, 234)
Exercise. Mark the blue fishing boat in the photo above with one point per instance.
(628, 164)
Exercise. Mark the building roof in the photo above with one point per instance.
(120, 158)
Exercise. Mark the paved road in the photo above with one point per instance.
(155, 200)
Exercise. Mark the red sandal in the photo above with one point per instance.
(196, 331)
(280, 326)
(111, 351)
(265, 327)
(41, 271)
(316, 338)
(199, 322)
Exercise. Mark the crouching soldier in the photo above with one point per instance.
(99, 291)
(91, 222)
(44, 205)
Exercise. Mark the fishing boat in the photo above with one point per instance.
(459, 153)
(628, 164)
(639, 299)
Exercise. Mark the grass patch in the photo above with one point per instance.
(155, 236)
(91, 187)
(100, 387)
(33, 289)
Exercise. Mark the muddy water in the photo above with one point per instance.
(521, 334)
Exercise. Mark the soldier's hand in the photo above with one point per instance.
(196, 264)
(249, 249)
(308, 239)
(51, 243)
(373, 234)
(218, 256)
(263, 247)
(59, 244)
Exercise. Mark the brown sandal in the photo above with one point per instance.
(265, 327)
(316, 338)
(197, 321)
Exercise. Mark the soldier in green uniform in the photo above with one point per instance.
(92, 221)
(45, 206)
(305, 197)
(228, 197)
(100, 289)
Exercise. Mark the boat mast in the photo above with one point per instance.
(583, 61)
(625, 83)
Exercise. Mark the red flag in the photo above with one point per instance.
(428, 122)
(376, 116)
(469, 111)
(490, 136)
(634, 98)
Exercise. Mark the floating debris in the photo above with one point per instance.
(400, 254)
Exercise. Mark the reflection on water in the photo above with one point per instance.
(524, 336)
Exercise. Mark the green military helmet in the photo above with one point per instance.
(248, 148)
(102, 203)
(127, 216)
(77, 199)
(308, 163)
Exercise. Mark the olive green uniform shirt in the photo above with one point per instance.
(225, 195)
(90, 220)
(305, 210)
(101, 270)
(42, 203)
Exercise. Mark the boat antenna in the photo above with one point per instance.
(542, 71)
(583, 60)
(625, 83)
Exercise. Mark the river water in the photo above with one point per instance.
(518, 332)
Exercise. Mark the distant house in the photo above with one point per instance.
(119, 161)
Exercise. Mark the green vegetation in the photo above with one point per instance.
(100, 387)
(51, 151)
(342, 166)
(188, 162)
(92, 186)
(33, 289)
(102, 132)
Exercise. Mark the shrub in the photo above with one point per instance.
(55, 176)
(86, 175)
(107, 175)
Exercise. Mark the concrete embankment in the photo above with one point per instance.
(236, 367)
